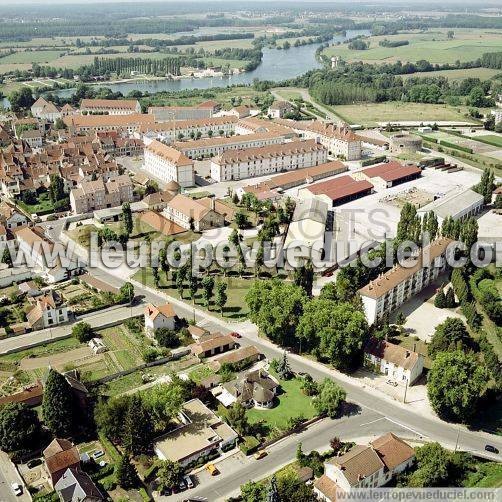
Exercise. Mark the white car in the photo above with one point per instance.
(188, 481)
(17, 489)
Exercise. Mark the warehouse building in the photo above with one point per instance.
(388, 174)
(339, 190)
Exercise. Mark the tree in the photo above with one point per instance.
(193, 286)
(433, 466)
(110, 416)
(330, 398)
(309, 386)
(126, 292)
(6, 257)
(338, 331)
(335, 444)
(486, 186)
(440, 299)
(455, 384)
(138, 428)
(469, 233)
(82, 331)
(450, 298)
(241, 220)
(304, 277)
(409, 226)
(449, 335)
(58, 406)
(156, 276)
(167, 338)
(498, 202)
(276, 307)
(19, 427)
(237, 418)
(126, 474)
(221, 296)
(273, 493)
(283, 368)
(56, 188)
(169, 475)
(127, 218)
(207, 289)
(21, 99)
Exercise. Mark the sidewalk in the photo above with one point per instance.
(9, 475)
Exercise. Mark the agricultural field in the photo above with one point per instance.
(457, 75)
(370, 114)
(432, 45)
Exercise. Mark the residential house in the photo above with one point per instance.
(253, 162)
(110, 106)
(159, 317)
(197, 333)
(390, 290)
(217, 343)
(243, 356)
(30, 396)
(59, 456)
(98, 194)
(11, 218)
(33, 137)
(76, 486)
(278, 109)
(198, 433)
(191, 214)
(371, 466)
(48, 310)
(253, 389)
(29, 288)
(398, 363)
(168, 164)
(158, 201)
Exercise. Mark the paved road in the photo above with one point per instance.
(368, 398)
(9, 475)
(364, 425)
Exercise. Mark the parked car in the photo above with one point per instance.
(98, 454)
(34, 463)
(17, 489)
(491, 448)
(391, 382)
(260, 454)
(182, 486)
(211, 468)
(188, 481)
(235, 334)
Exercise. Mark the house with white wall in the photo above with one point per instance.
(159, 317)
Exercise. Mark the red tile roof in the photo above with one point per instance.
(341, 187)
(391, 171)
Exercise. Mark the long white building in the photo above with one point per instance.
(209, 147)
(339, 139)
(252, 162)
(389, 291)
(168, 164)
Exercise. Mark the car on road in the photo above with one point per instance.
(188, 481)
(235, 334)
(211, 468)
(260, 454)
(17, 489)
(491, 448)
(391, 382)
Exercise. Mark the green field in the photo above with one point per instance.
(491, 139)
(432, 46)
(32, 56)
(370, 114)
(457, 75)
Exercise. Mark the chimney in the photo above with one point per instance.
(408, 353)
(213, 202)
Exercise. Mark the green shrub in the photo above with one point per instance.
(249, 445)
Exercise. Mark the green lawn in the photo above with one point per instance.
(369, 114)
(457, 75)
(32, 56)
(432, 46)
(236, 291)
(490, 138)
(290, 403)
(43, 206)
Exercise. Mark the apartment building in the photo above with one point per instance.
(197, 128)
(192, 214)
(129, 123)
(210, 147)
(252, 162)
(339, 139)
(363, 466)
(390, 290)
(169, 164)
(98, 194)
(110, 106)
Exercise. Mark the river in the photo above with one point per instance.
(276, 65)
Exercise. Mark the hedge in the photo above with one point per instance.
(428, 138)
(110, 448)
(455, 146)
(249, 445)
(376, 160)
